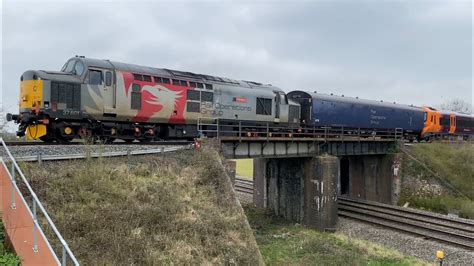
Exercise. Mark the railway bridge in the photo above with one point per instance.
(299, 173)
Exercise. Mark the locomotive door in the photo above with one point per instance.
(109, 94)
(277, 107)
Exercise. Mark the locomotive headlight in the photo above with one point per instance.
(23, 98)
(34, 88)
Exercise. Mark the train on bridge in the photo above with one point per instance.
(107, 100)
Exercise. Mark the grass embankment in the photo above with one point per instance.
(173, 209)
(244, 168)
(453, 163)
(284, 243)
(6, 257)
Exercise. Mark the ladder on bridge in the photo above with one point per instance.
(21, 218)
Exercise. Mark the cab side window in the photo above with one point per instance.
(108, 78)
(95, 77)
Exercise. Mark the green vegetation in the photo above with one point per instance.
(6, 257)
(285, 243)
(153, 210)
(453, 164)
(244, 168)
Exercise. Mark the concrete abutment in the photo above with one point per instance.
(305, 189)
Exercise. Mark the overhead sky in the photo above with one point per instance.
(413, 52)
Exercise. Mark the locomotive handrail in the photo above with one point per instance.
(36, 203)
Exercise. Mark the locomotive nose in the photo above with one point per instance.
(31, 90)
(29, 75)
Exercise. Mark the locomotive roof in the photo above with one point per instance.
(163, 72)
(345, 99)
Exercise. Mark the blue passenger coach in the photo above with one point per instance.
(328, 110)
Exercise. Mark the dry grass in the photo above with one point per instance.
(176, 209)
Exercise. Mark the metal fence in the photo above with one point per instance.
(270, 131)
(35, 209)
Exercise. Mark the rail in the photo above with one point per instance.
(36, 204)
(243, 130)
(60, 157)
(459, 232)
(454, 231)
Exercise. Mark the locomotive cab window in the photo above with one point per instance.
(95, 77)
(69, 66)
(79, 68)
(108, 78)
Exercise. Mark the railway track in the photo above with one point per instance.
(243, 185)
(40, 143)
(454, 231)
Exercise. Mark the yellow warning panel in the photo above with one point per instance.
(35, 131)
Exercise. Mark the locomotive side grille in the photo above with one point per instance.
(66, 95)
(294, 114)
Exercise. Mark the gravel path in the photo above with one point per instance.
(74, 149)
(407, 244)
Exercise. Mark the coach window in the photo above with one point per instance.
(192, 84)
(166, 80)
(176, 82)
(95, 77)
(147, 78)
(183, 83)
(208, 86)
(108, 78)
(157, 80)
(200, 85)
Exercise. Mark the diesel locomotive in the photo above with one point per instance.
(112, 100)
(107, 100)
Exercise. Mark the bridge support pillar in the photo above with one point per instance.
(320, 190)
(303, 190)
(374, 177)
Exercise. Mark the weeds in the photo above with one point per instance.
(284, 243)
(455, 164)
(154, 210)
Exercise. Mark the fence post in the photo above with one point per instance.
(63, 262)
(218, 133)
(240, 131)
(35, 229)
(13, 206)
(40, 159)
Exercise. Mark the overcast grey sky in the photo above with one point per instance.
(413, 52)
